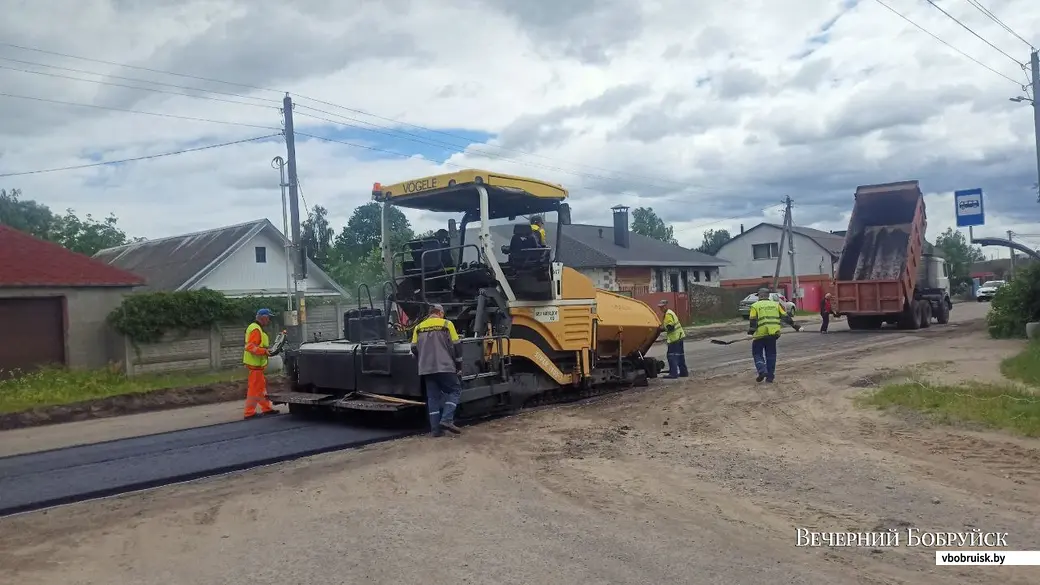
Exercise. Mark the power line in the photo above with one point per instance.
(969, 29)
(994, 18)
(326, 103)
(139, 80)
(158, 114)
(203, 97)
(931, 34)
(140, 158)
(138, 67)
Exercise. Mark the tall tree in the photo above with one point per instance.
(317, 236)
(362, 232)
(86, 236)
(959, 254)
(713, 241)
(647, 223)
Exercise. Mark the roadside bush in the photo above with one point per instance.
(146, 317)
(1015, 304)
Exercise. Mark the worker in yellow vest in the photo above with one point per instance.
(765, 321)
(674, 335)
(539, 231)
(255, 359)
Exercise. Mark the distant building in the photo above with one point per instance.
(55, 303)
(617, 259)
(752, 254)
(248, 259)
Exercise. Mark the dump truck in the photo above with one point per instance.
(533, 331)
(885, 275)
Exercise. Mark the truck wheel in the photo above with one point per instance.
(926, 314)
(943, 316)
(909, 319)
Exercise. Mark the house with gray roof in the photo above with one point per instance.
(752, 254)
(247, 259)
(615, 258)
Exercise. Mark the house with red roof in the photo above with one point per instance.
(54, 304)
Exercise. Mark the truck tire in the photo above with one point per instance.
(925, 309)
(943, 316)
(910, 319)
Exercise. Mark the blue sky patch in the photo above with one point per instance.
(434, 145)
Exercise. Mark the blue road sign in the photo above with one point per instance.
(970, 211)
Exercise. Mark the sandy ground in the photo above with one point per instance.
(700, 482)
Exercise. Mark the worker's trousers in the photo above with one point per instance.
(826, 321)
(256, 393)
(763, 350)
(677, 360)
(442, 398)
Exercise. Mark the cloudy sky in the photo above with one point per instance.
(710, 112)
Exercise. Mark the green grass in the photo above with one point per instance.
(52, 387)
(994, 405)
(1024, 366)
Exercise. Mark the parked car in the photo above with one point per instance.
(744, 308)
(988, 289)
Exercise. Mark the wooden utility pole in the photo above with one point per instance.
(296, 329)
(790, 237)
(780, 250)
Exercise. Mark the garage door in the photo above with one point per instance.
(37, 329)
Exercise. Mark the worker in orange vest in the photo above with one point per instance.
(255, 359)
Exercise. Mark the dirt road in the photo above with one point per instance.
(695, 483)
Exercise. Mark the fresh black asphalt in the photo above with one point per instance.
(39, 480)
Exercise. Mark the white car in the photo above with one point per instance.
(744, 307)
(988, 289)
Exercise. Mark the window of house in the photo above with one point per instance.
(765, 251)
(707, 276)
(659, 280)
(261, 255)
(685, 278)
(673, 280)
(696, 275)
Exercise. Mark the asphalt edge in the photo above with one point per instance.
(192, 476)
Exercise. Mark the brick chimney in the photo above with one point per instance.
(620, 225)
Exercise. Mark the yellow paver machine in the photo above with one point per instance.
(533, 330)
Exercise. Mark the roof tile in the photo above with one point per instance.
(27, 261)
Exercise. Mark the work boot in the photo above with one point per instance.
(451, 427)
(760, 377)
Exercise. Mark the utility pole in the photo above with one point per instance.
(790, 237)
(297, 329)
(780, 249)
(1034, 70)
(1012, 251)
(279, 163)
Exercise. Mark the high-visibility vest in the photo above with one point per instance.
(541, 234)
(249, 359)
(676, 334)
(767, 313)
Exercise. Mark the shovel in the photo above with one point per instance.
(732, 341)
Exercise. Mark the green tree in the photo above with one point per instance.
(362, 232)
(959, 255)
(25, 216)
(1015, 304)
(713, 241)
(317, 236)
(86, 236)
(647, 223)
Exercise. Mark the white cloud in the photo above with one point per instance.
(710, 113)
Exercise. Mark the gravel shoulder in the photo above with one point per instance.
(697, 482)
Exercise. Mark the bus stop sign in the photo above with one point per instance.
(970, 211)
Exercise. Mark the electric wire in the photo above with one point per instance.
(139, 158)
(972, 31)
(110, 83)
(278, 103)
(994, 18)
(143, 113)
(936, 37)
